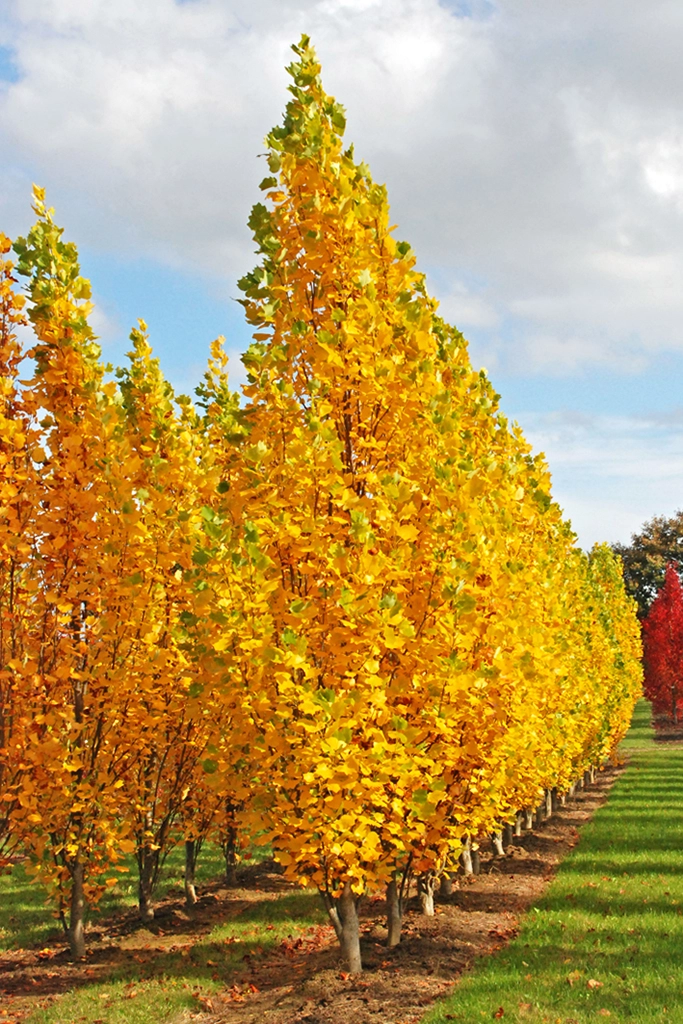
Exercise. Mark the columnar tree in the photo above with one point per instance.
(663, 647)
(389, 545)
(19, 494)
(68, 804)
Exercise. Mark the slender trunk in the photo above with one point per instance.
(562, 798)
(426, 884)
(229, 837)
(230, 864)
(572, 791)
(554, 799)
(343, 914)
(191, 854)
(497, 840)
(466, 858)
(528, 818)
(508, 835)
(394, 914)
(586, 778)
(75, 932)
(519, 820)
(592, 775)
(147, 868)
(476, 861)
(446, 885)
(549, 803)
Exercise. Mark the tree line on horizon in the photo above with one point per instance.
(342, 617)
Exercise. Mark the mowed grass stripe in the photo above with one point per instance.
(606, 941)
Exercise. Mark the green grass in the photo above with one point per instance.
(175, 981)
(612, 916)
(26, 917)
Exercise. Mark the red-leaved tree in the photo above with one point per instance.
(663, 648)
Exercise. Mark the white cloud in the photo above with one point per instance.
(611, 473)
(535, 147)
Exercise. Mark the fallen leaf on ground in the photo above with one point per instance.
(592, 983)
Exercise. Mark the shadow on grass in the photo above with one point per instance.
(247, 930)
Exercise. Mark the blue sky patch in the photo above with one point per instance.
(9, 72)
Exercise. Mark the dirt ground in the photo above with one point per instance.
(303, 980)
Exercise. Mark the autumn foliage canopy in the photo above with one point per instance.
(663, 648)
(341, 616)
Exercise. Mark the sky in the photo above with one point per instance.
(533, 156)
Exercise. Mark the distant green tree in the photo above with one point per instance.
(645, 559)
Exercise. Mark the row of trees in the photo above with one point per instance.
(345, 617)
(658, 544)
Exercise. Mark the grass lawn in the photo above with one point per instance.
(606, 941)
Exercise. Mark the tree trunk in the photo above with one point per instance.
(148, 861)
(572, 791)
(394, 914)
(519, 820)
(426, 884)
(528, 818)
(554, 799)
(446, 885)
(229, 843)
(75, 932)
(497, 840)
(593, 774)
(562, 799)
(350, 937)
(191, 854)
(476, 861)
(586, 778)
(548, 803)
(343, 914)
(466, 858)
(507, 834)
(230, 865)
